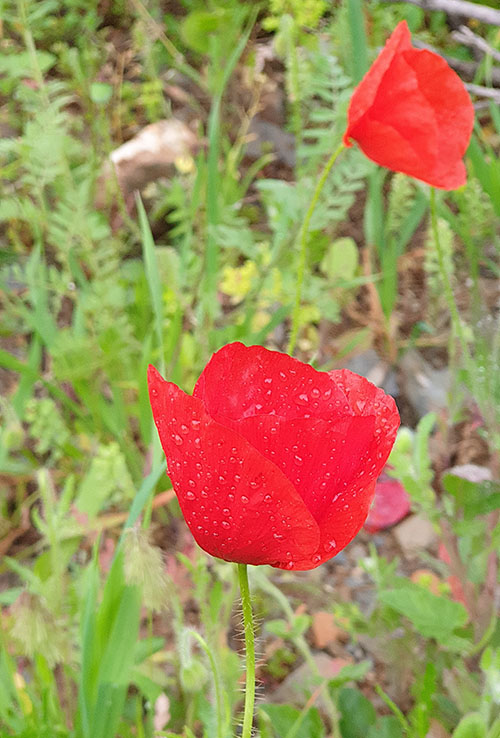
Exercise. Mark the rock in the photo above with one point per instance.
(265, 136)
(148, 156)
(472, 473)
(437, 730)
(415, 534)
(369, 364)
(425, 387)
(324, 629)
(301, 681)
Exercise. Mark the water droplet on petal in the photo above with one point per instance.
(177, 439)
(225, 524)
(256, 483)
(184, 429)
(316, 558)
(268, 498)
(190, 495)
(244, 499)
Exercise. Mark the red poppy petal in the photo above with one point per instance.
(390, 505)
(241, 381)
(333, 464)
(446, 95)
(366, 91)
(412, 114)
(321, 458)
(237, 504)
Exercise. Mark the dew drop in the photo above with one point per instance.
(316, 558)
(278, 536)
(192, 483)
(226, 511)
(298, 459)
(230, 497)
(197, 442)
(268, 498)
(176, 439)
(184, 429)
(268, 380)
(290, 565)
(225, 525)
(330, 545)
(190, 495)
(315, 392)
(256, 483)
(244, 499)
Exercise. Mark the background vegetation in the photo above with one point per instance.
(113, 623)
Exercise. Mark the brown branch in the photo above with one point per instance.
(465, 36)
(463, 8)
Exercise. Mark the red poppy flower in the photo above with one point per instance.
(411, 113)
(272, 461)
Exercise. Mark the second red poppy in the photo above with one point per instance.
(411, 113)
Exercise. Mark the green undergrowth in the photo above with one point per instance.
(100, 637)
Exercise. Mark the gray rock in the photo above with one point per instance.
(415, 534)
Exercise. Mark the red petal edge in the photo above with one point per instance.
(237, 504)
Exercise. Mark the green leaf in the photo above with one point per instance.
(432, 616)
(285, 719)
(101, 92)
(471, 726)
(387, 727)
(341, 260)
(199, 26)
(349, 673)
(358, 713)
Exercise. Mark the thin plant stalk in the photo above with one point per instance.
(219, 703)
(249, 651)
(302, 242)
(446, 282)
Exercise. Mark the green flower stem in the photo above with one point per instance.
(250, 651)
(446, 281)
(302, 241)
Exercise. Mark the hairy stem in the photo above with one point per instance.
(250, 651)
